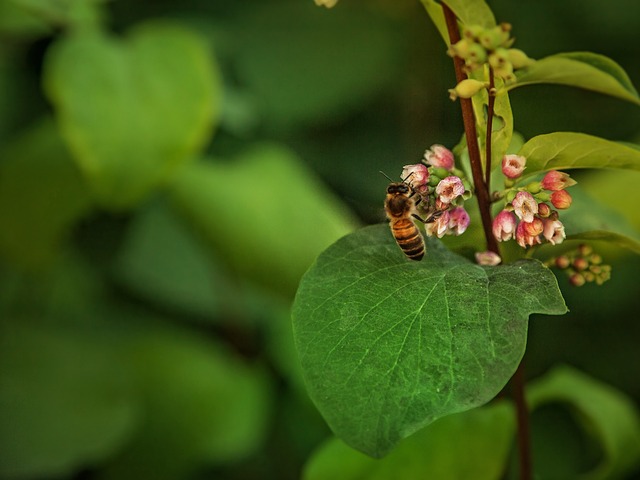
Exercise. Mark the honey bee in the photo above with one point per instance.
(400, 207)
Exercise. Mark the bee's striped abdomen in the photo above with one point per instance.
(409, 238)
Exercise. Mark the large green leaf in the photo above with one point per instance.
(566, 150)
(132, 110)
(484, 434)
(580, 69)
(67, 399)
(605, 413)
(265, 214)
(42, 194)
(388, 345)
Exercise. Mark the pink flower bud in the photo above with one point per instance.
(523, 239)
(439, 156)
(440, 226)
(513, 165)
(458, 221)
(544, 210)
(561, 199)
(504, 226)
(525, 206)
(449, 188)
(417, 176)
(555, 181)
(553, 231)
(488, 258)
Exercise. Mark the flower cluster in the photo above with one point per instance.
(481, 46)
(582, 266)
(527, 216)
(441, 190)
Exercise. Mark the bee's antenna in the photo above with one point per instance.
(390, 179)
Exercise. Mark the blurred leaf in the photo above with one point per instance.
(16, 21)
(66, 400)
(387, 345)
(586, 70)
(566, 150)
(304, 65)
(604, 412)
(42, 194)
(153, 101)
(61, 12)
(484, 434)
(203, 406)
(265, 214)
(162, 262)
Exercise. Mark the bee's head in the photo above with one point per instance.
(398, 188)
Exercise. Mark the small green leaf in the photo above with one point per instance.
(280, 224)
(484, 435)
(132, 111)
(580, 69)
(606, 414)
(434, 9)
(472, 12)
(566, 150)
(42, 194)
(388, 345)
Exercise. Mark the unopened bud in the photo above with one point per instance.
(580, 264)
(472, 31)
(460, 49)
(585, 250)
(577, 280)
(562, 262)
(499, 58)
(544, 210)
(495, 37)
(466, 88)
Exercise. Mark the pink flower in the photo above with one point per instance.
(523, 239)
(439, 226)
(458, 221)
(417, 176)
(439, 156)
(488, 258)
(449, 188)
(513, 165)
(553, 231)
(533, 228)
(504, 226)
(561, 199)
(525, 206)
(555, 181)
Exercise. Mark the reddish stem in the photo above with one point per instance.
(469, 121)
(490, 109)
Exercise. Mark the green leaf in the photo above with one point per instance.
(388, 345)
(469, 12)
(605, 413)
(42, 194)
(472, 12)
(132, 110)
(580, 69)
(203, 405)
(484, 435)
(566, 150)
(272, 232)
(67, 400)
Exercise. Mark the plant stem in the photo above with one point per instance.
(484, 204)
(490, 107)
(482, 194)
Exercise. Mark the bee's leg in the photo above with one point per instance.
(418, 217)
(434, 217)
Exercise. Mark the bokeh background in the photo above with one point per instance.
(151, 338)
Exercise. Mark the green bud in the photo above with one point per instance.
(511, 195)
(499, 58)
(467, 88)
(472, 31)
(495, 37)
(460, 49)
(534, 187)
(477, 54)
(518, 58)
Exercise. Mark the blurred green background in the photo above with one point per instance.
(169, 170)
